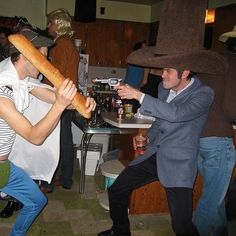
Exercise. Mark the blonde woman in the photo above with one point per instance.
(66, 58)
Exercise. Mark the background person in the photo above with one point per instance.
(65, 57)
(217, 154)
(135, 74)
(152, 79)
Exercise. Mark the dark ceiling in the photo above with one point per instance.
(145, 2)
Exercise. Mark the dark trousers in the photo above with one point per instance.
(66, 149)
(179, 199)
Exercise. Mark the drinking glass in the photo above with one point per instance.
(140, 143)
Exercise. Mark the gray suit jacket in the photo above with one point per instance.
(174, 136)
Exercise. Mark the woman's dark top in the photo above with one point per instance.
(151, 87)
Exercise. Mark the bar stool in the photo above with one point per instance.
(111, 170)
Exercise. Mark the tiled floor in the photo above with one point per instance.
(70, 213)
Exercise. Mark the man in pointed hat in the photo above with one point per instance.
(181, 111)
(217, 155)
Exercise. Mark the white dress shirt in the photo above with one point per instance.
(172, 93)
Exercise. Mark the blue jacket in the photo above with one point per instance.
(175, 134)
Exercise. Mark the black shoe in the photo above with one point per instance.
(66, 187)
(58, 183)
(44, 186)
(10, 208)
(110, 232)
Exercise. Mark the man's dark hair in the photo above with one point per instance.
(15, 57)
(190, 75)
(139, 45)
(5, 30)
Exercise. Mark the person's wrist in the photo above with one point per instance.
(59, 107)
(138, 95)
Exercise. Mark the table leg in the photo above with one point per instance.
(84, 148)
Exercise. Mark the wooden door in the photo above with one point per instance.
(109, 42)
(105, 43)
(134, 32)
(81, 33)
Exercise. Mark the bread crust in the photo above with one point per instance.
(25, 47)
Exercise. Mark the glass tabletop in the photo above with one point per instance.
(99, 128)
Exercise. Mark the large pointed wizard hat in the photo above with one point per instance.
(180, 39)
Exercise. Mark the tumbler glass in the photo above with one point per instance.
(140, 142)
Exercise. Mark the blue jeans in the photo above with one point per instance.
(215, 164)
(23, 188)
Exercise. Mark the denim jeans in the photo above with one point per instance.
(215, 164)
(24, 189)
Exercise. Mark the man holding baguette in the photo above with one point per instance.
(14, 99)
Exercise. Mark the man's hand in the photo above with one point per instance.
(65, 93)
(128, 92)
(91, 104)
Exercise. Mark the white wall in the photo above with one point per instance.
(156, 12)
(52, 5)
(124, 11)
(113, 10)
(156, 8)
(220, 3)
(33, 10)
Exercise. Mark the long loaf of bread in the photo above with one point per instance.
(38, 60)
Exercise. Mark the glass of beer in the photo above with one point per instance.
(140, 142)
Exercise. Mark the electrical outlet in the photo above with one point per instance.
(102, 10)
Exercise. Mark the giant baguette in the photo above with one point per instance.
(25, 47)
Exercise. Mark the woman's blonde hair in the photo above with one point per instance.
(62, 19)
